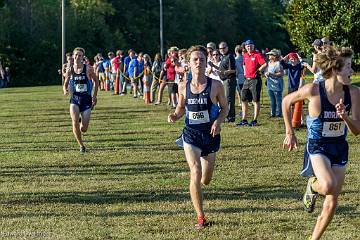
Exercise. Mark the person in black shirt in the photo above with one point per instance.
(228, 76)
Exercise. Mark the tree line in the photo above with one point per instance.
(30, 35)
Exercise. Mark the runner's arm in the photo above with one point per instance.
(92, 76)
(290, 141)
(223, 103)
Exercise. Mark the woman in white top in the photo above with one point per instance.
(213, 66)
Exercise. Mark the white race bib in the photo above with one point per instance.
(81, 88)
(199, 117)
(333, 129)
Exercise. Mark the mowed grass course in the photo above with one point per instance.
(132, 183)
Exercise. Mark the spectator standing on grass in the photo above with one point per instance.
(228, 76)
(146, 77)
(202, 100)
(318, 45)
(292, 63)
(328, 122)
(274, 73)
(7, 76)
(100, 71)
(156, 70)
(213, 67)
(170, 75)
(254, 64)
(239, 62)
(210, 47)
(127, 60)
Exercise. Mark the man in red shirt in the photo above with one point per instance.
(254, 63)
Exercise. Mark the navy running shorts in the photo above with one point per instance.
(337, 153)
(200, 139)
(84, 102)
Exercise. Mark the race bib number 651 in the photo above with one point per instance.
(199, 117)
(333, 129)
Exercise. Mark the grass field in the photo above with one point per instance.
(133, 181)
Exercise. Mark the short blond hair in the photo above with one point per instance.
(199, 48)
(79, 49)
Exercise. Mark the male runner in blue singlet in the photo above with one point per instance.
(326, 153)
(203, 102)
(81, 82)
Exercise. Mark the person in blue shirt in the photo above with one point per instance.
(133, 72)
(127, 60)
(140, 73)
(203, 102)
(328, 122)
(295, 67)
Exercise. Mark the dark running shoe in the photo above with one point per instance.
(242, 123)
(253, 123)
(82, 149)
(310, 196)
(201, 223)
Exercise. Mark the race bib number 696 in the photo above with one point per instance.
(198, 117)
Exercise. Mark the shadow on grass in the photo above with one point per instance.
(95, 214)
(136, 144)
(95, 170)
(351, 211)
(141, 196)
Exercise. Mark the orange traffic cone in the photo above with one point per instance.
(296, 118)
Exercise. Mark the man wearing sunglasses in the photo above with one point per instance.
(228, 76)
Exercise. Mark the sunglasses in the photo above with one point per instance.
(215, 54)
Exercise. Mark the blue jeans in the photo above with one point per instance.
(275, 102)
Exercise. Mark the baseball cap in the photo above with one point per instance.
(293, 55)
(211, 45)
(249, 42)
(317, 42)
(274, 52)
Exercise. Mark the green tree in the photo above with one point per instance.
(339, 20)
(30, 36)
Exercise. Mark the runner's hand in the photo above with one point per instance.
(215, 128)
(290, 142)
(341, 109)
(172, 117)
(65, 91)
